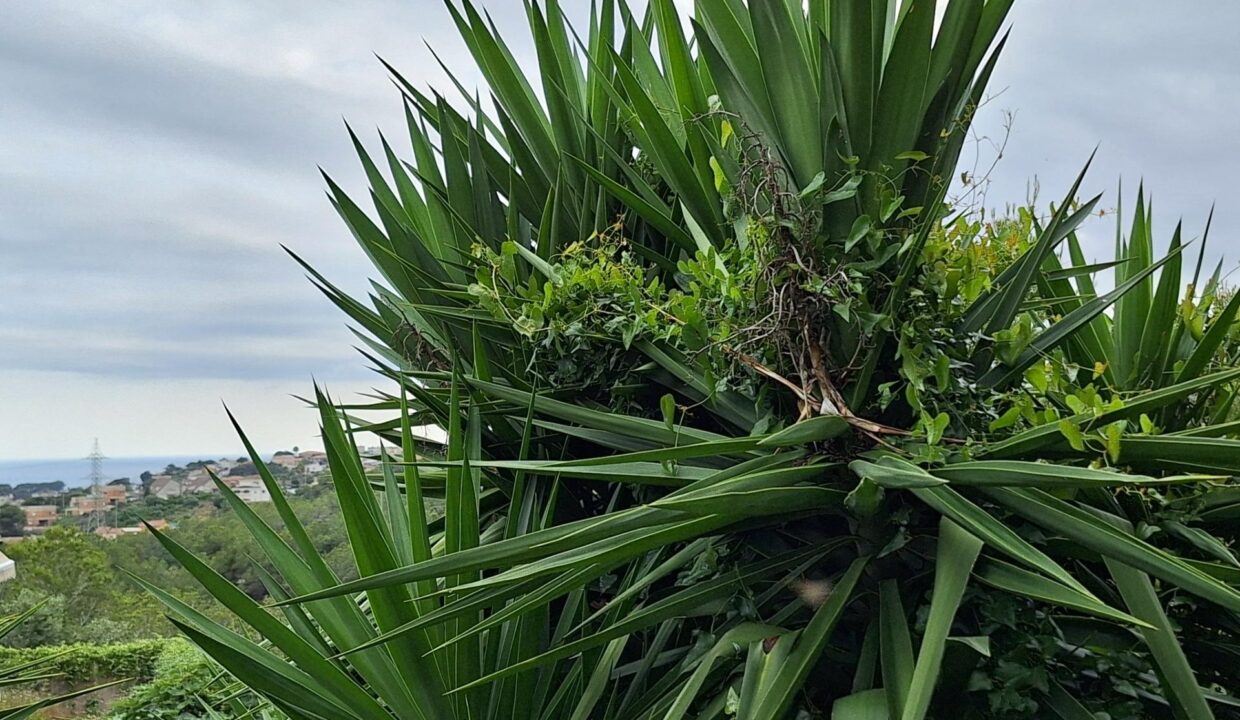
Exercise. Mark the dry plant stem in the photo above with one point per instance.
(764, 370)
(807, 401)
(829, 393)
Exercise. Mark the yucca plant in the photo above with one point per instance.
(741, 419)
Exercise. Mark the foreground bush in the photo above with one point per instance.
(184, 684)
(81, 663)
(742, 419)
(20, 669)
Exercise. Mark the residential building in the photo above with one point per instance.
(111, 533)
(251, 489)
(197, 482)
(114, 494)
(289, 461)
(86, 505)
(312, 461)
(164, 487)
(8, 568)
(40, 516)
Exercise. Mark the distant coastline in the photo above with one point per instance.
(75, 472)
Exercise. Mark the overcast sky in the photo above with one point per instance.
(156, 153)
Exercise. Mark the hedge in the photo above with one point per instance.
(87, 662)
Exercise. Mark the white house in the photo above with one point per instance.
(251, 490)
(164, 487)
(8, 568)
(312, 461)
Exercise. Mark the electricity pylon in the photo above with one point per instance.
(96, 458)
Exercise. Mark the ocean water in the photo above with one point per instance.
(76, 472)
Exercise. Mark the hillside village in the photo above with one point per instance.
(240, 475)
(97, 509)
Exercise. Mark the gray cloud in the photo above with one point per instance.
(1155, 86)
(163, 153)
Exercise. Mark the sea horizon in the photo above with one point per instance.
(75, 472)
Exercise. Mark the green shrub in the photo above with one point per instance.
(23, 672)
(84, 662)
(180, 675)
(186, 684)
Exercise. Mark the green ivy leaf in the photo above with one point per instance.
(860, 228)
(1072, 432)
(934, 431)
(667, 404)
(814, 185)
(1007, 419)
(865, 499)
(1037, 377)
(890, 207)
(845, 191)
(1112, 434)
(942, 372)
